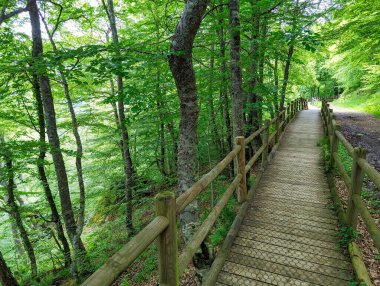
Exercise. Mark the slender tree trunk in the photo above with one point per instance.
(236, 73)
(42, 174)
(210, 101)
(181, 66)
(128, 166)
(54, 141)
(161, 129)
(78, 141)
(16, 216)
(6, 276)
(253, 98)
(286, 75)
(275, 74)
(223, 85)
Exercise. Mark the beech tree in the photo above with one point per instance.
(181, 66)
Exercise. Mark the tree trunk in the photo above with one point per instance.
(286, 75)
(78, 141)
(210, 101)
(16, 216)
(128, 166)
(236, 73)
(253, 98)
(223, 85)
(6, 276)
(275, 74)
(181, 66)
(42, 174)
(54, 141)
(161, 129)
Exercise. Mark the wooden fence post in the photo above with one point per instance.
(167, 241)
(357, 177)
(242, 190)
(264, 158)
(334, 144)
(277, 126)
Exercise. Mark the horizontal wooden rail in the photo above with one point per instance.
(368, 220)
(345, 142)
(206, 226)
(346, 178)
(187, 197)
(370, 171)
(118, 262)
(253, 136)
(255, 157)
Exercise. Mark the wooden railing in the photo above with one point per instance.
(354, 184)
(163, 227)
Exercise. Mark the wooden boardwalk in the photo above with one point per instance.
(288, 236)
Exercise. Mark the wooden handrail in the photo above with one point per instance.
(187, 197)
(205, 227)
(368, 220)
(253, 136)
(370, 171)
(118, 262)
(354, 184)
(254, 158)
(345, 142)
(163, 227)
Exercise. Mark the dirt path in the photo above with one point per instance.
(361, 129)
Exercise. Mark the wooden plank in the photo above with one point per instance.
(316, 227)
(304, 273)
(289, 244)
(262, 276)
(311, 211)
(238, 280)
(294, 201)
(329, 237)
(312, 256)
(250, 232)
(290, 261)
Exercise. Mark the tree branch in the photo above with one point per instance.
(4, 17)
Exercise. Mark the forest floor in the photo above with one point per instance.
(361, 129)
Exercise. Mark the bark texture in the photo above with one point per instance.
(286, 75)
(236, 73)
(6, 276)
(181, 66)
(16, 216)
(42, 174)
(253, 97)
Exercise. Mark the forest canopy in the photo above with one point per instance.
(105, 103)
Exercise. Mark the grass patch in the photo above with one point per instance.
(364, 103)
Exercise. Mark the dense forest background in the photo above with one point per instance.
(91, 120)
